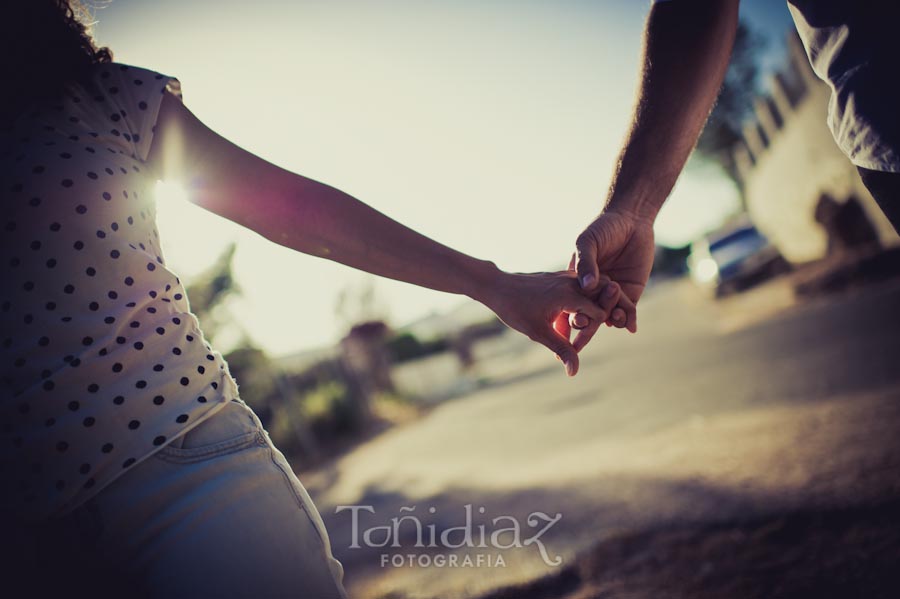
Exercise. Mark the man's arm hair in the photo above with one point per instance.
(687, 47)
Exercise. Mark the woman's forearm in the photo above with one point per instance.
(317, 219)
(303, 214)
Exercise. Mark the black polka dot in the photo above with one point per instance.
(114, 254)
(89, 421)
(107, 448)
(182, 419)
(141, 384)
(159, 400)
(201, 399)
(158, 368)
(159, 440)
(127, 463)
(81, 209)
(160, 331)
(129, 281)
(118, 400)
(84, 468)
(134, 424)
(74, 405)
(138, 345)
(66, 183)
(107, 196)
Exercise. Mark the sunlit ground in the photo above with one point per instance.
(713, 416)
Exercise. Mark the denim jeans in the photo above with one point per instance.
(217, 513)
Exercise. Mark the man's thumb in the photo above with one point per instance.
(586, 263)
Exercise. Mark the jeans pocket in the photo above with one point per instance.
(231, 429)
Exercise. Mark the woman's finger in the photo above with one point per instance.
(560, 346)
(583, 337)
(578, 321)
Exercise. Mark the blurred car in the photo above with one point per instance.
(729, 261)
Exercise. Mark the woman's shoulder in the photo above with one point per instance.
(111, 73)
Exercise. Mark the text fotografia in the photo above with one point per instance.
(503, 532)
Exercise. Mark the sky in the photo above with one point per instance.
(490, 126)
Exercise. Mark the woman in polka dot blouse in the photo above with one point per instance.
(126, 447)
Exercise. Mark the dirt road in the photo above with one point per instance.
(715, 421)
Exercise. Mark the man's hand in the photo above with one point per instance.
(617, 246)
(532, 303)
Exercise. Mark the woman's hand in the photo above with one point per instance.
(531, 302)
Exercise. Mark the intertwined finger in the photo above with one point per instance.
(606, 302)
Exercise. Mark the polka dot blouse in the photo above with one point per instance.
(102, 361)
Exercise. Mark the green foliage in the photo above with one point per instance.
(735, 101)
(210, 289)
(406, 346)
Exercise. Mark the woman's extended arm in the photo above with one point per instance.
(317, 219)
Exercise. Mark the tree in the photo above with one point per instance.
(210, 289)
(734, 105)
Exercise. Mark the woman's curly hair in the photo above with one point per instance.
(46, 44)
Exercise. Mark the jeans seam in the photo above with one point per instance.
(300, 502)
(197, 454)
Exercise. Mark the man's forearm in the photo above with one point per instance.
(687, 46)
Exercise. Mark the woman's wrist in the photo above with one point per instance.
(483, 279)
